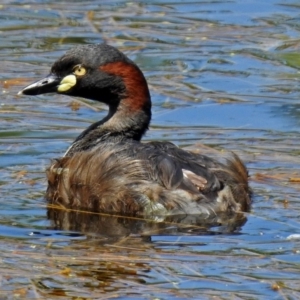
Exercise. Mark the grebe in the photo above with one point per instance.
(108, 169)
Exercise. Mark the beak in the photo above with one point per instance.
(46, 85)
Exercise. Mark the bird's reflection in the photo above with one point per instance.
(114, 228)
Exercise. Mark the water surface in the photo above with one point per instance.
(222, 73)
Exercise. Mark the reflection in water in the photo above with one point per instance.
(114, 228)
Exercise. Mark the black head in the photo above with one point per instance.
(97, 72)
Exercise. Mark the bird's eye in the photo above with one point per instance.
(79, 70)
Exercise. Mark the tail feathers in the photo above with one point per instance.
(238, 169)
(235, 176)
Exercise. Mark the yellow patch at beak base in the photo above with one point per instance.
(67, 83)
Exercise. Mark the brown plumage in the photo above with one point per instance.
(108, 169)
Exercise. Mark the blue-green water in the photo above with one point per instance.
(221, 73)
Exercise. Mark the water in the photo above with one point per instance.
(221, 73)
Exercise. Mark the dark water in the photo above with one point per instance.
(222, 73)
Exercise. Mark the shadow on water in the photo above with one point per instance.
(221, 73)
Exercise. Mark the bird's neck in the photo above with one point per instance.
(121, 123)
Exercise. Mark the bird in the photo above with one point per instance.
(108, 168)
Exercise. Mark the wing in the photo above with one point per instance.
(207, 175)
(175, 168)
